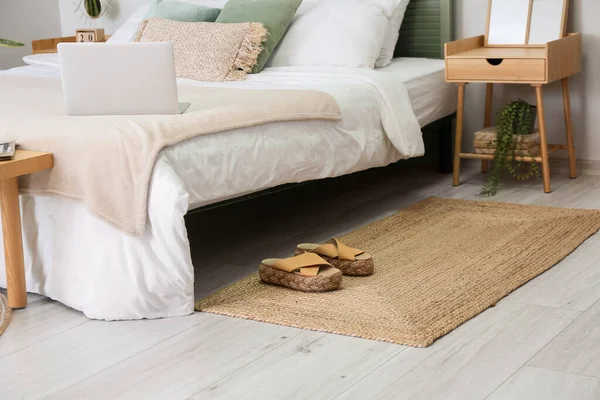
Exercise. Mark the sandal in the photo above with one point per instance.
(348, 260)
(305, 272)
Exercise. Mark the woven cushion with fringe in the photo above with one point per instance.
(5, 314)
(208, 51)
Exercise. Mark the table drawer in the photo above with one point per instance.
(496, 69)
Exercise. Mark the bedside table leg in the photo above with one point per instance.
(487, 122)
(543, 141)
(13, 243)
(459, 133)
(569, 129)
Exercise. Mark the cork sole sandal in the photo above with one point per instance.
(350, 261)
(306, 273)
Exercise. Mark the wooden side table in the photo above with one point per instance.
(469, 61)
(48, 46)
(24, 163)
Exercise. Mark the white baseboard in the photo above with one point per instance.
(584, 167)
(560, 164)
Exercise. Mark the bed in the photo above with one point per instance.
(79, 259)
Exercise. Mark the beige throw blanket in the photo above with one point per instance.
(107, 161)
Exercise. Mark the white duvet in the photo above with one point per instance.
(80, 260)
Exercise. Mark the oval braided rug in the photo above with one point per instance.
(5, 314)
(438, 264)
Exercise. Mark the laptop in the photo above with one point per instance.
(119, 78)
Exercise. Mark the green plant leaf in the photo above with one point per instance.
(93, 8)
(516, 118)
(10, 43)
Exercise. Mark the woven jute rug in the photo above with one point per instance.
(438, 263)
(5, 314)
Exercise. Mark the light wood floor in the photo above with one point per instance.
(541, 342)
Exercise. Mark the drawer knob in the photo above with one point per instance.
(495, 61)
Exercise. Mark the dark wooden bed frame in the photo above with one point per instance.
(427, 26)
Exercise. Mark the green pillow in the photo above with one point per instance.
(183, 12)
(275, 15)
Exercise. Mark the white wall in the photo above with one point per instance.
(470, 20)
(117, 13)
(24, 21)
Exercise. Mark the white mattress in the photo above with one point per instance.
(151, 276)
(431, 96)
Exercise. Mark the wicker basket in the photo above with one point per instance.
(525, 145)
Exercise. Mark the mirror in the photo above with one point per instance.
(525, 22)
(546, 21)
(508, 21)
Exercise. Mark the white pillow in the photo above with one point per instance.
(393, 33)
(129, 28)
(348, 33)
(349, 38)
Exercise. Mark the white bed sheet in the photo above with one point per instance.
(79, 259)
(432, 98)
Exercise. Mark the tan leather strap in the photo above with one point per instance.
(307, 264)
(335, 249)
(327, 249)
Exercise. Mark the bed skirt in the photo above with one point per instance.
(82, 261)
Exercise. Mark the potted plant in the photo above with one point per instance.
(10, 43)
(92, 9)
(514, 137)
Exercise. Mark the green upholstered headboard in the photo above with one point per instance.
(426, 27)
